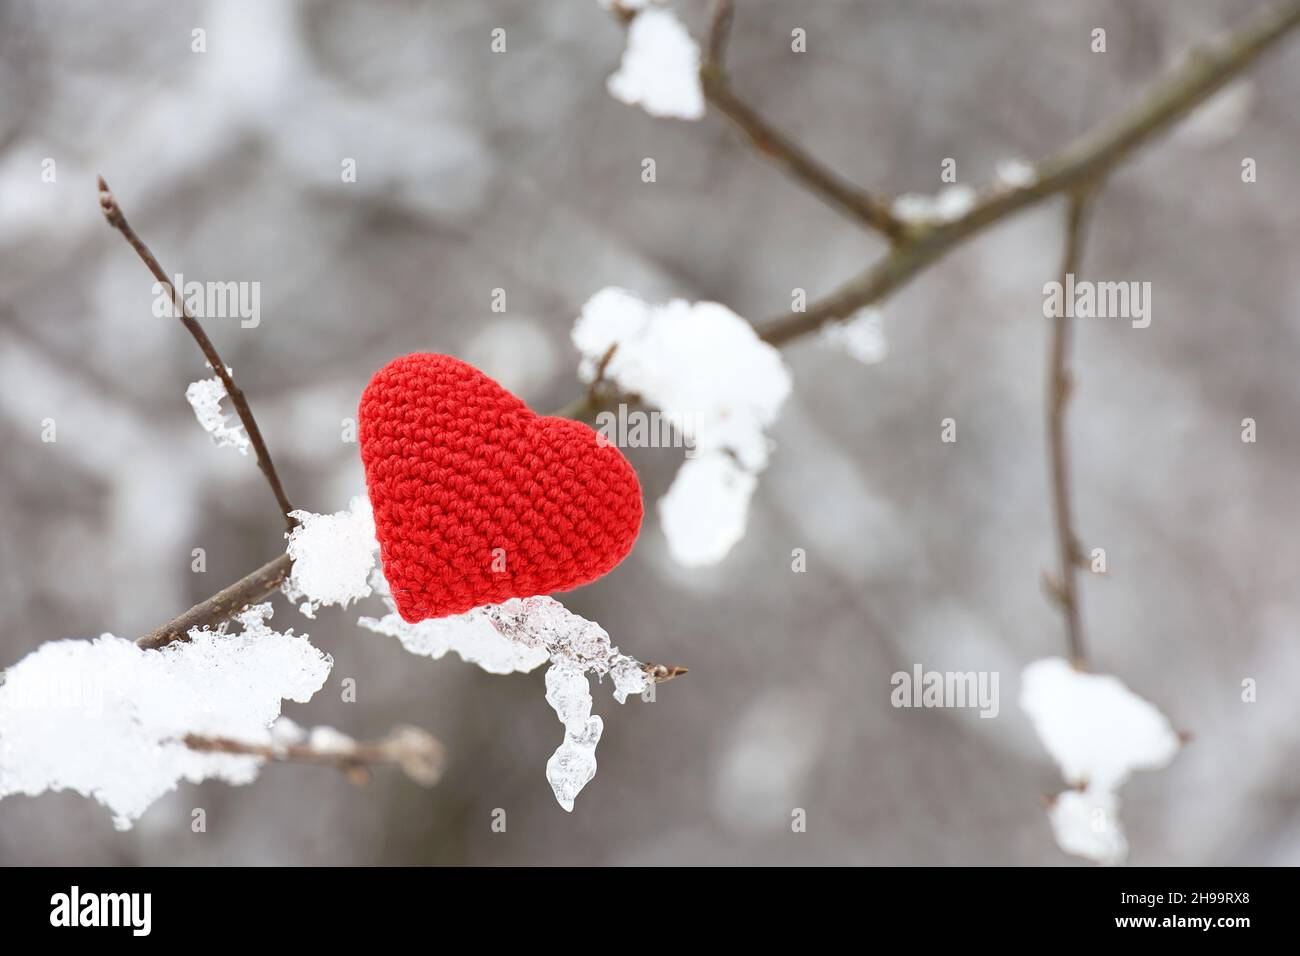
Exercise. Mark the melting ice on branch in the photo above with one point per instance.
(710, 374)
(205, 398)
(1098, 732)
(576, 647)
(470, 635)
(573, 764)
(520, 635)
(107, 719)
(661, 66)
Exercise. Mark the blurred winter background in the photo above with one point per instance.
(518, 171)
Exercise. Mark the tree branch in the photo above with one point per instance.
(1059, 387)
(1085, 160)
(250, 589)
(417, 752)
(113, 213)
(846, 198)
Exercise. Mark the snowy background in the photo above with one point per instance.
(520, 171)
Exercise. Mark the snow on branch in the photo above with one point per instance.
(205, 397)
(711, 376)
(108, 719)
(332, 557)
(861, 336)
(1098, 732)
(660, 71)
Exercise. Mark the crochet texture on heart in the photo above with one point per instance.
(477, 499)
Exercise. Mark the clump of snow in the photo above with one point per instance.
(660, 71)
(1098, 732)
(949, 204)
(861, 336)
(705, 368)
(286, 733)
(1096, 729)
(696, 362)
(327, 740)
(1016, 173)
(107, 719)
(706, 509)
(205, 398)
(1086, 824)
(332, 556)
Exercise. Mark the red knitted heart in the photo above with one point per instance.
(477, 499)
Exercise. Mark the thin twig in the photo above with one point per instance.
(113, 213)
(662, 673)
(1059, 387)
(417, 752)
(250, 589)
(1084, 160)
(856, 203)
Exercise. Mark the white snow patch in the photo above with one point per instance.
(333, 556)
(706, 509)
(1086, 824)
(1098, 732)
(861, 336)
(327, 740)
(1096, 729)
(709, 373)
(949, 204)
(205, 397)
(285, 733)
(660, 71)
(1014, 173)
(107, 719)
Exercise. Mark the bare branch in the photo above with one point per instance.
(250, 589)
(848, 199)
(662, 673)
(113, 213)
(1085, 160)
(1059, 387)
(419, 755)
